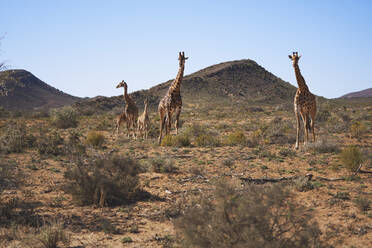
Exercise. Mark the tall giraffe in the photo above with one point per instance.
(130, 110)
(172, 101)
(304, 102)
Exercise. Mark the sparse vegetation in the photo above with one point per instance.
(322, 146)
(95, 139)
(51, 235)
(236, 138)
(362, 203)
(15, 139)
(50, 143)
(105, 182)
(56, 171)
(65, 117)
(161, 165)
(351, 157)
(180, 140)
(250, 217)
(358, 129)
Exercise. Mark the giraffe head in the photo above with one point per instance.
(295, 58)
(182, 58)
(122, 84)
(146, 102)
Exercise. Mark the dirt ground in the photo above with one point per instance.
(148, 223)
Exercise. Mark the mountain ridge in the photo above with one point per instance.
(358, 94)
(21, 90)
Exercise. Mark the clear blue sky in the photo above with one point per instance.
(86, 47)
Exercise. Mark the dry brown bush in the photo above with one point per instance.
(251, 217)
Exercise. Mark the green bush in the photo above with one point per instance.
(180, 140)
(161, 165)
(65, 117)
(15, 138)
(358, 130)
(362, 203)
(251, 217)
(95, 139)
(235, 138)
(50, 143)
(351, 157)
(109, 181)
(9, 177)
(73, 146)
(207, 140)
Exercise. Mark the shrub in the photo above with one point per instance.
(201, 135)
(15, 139)
(50, 143)
(65, 117)
(160, 165)
(109, 181)
(207, 140)
(280, 131)
(51, 235)
(235, 138)
(358, 130)
(362, 203)
(15, 212)
(74, 147)
(95, 139)
(180, 140)
(351, 157)
(322, 146)
(253, 217)
(322, 115)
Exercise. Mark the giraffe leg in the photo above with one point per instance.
(168, 123)
(312, 124)
(305, 118)
(134, 123)
(128, 128)
(116, 130)
(162, 122)
(177, 122)
(298, 129)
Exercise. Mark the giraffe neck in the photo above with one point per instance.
(176, 85)
(126, 97)
(145, 111)
(300, 80)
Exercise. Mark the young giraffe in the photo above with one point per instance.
(172, 101)
(119, 119)
(304, 103)
(143, 123)
(130, 110)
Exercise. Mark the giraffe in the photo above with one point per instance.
(130, 110)
(143, 123)
(304, 103)
(172, 101)
(119, 119)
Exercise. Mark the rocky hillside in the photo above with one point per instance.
(358, 94)
(237, 81)
(21, 90)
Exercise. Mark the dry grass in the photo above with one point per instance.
(102, 206)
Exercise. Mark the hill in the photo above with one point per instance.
(359, 94)
(237, 81)
(21, 90)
